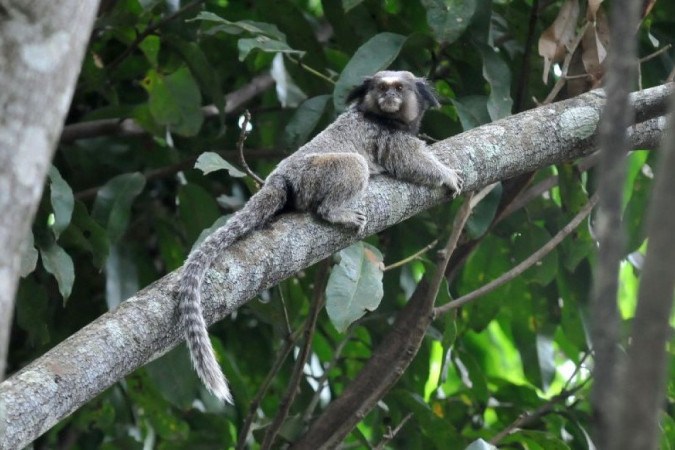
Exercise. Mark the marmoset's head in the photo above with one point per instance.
(398, 96)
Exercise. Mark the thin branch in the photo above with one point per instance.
(309, 69)
(523, 266)
(531, 417)
(412, 257)
(391, 434)
(147, 32)
(298, 369)
(651, 56)
(240, 146)
(523, 79)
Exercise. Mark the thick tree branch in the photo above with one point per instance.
(641, 391)
(40, 58)
(145, 326)
(618, 114)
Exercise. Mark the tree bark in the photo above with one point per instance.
(40, 58)
(145, 326)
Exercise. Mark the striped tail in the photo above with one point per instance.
(257, 212)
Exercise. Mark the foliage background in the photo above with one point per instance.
(123, 209)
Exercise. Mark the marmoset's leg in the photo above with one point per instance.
(331, 185)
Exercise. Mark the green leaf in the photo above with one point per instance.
(210, 162)
(32, 311)
(354, 285)
(175, 101)
(172, 374)
(207, 77)
(62, 201)
(242, 26)
(376, 54)
(112, 207)
(121, 275)
(449, 18)
(496, 72)
(304, 121)
(529, 239)
(483, 214)
(197, 209)
(265, 44)
(480, 444)
(350, 4)
(150, 48)
(86, 234)
(472, 111)
(57, 262)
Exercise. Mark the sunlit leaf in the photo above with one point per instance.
(355, 285)
(210, 162)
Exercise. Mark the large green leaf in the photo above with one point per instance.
(203, 71)
(112, 207)
(86, 234)
(376, 54)
(449, 18)
(304, 121)
(354, 285)
(197, 209)
(62, 199)
(57, 262)
(498, 75)
(175, 101)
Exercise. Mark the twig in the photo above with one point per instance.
(576, 370)
(391, 434)
(282, 354)
(240, 146)
(528, 418)
(296, 377)
(324, 377)
(523, 79)
(149, 30)
(523, 266)
(309, 69)
(656, 53)
(671, 77)
(412, 257)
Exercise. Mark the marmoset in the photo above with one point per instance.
(327, 176)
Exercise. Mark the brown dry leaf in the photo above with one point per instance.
(647, 6)
(594, 47)
(593, 6)
(554, 40)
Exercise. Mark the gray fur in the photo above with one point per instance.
(327, 176)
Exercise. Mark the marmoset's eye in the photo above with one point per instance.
(398, 87)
